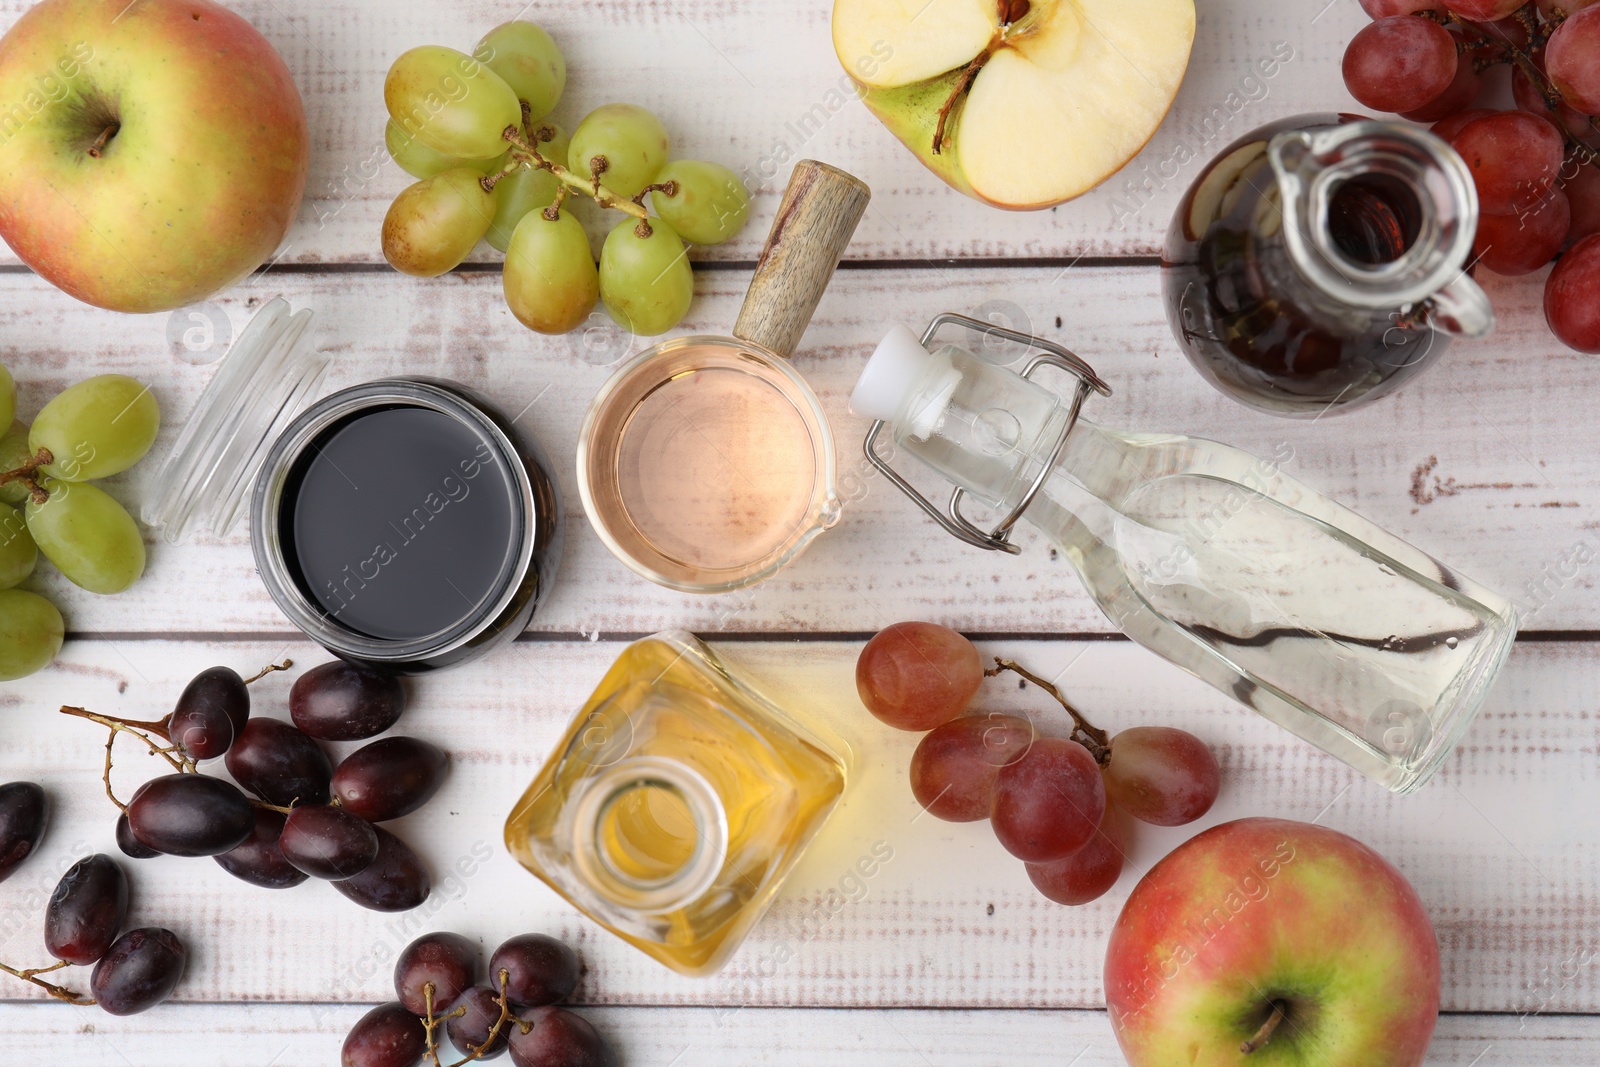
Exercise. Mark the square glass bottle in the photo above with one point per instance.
(676, 803)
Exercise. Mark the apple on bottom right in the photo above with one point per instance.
(1267, 943)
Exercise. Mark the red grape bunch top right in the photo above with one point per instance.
(1537, 165)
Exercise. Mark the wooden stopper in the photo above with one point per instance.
(818, 215)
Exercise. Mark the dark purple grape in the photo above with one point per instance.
(390, 778)
(259, 860)
(396, 881)
(211, 712)
(139, 972)
(339, 701)
(326, 842)
(470, 1030)
(190, 815)
(386, 1036)
(280, 764)
(447, 960)
(539, 970)
(559, 1038)
(131, 846)
(24, 810)
(87, 910)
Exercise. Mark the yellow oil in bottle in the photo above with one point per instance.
(676, 803)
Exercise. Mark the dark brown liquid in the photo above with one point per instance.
(402, 522)
(1253, 335)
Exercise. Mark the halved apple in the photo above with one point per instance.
(1020, 103)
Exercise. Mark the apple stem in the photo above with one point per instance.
(98, 149)
(1091, 737)
(1263, 1035)
(962, 85)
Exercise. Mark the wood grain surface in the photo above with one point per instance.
(946, 955)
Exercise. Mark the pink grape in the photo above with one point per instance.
(1446, 128)
(1460, 93)
(1523, 242)
(1048, 803)
(1582, 186)
(1161, 775)
(954, 768)
(1572, 59)
(1514, 158)
(1088, 873)
(1382, 9)
(1400, 63)
(1483, 10)
(1572, 296)
(916, 675)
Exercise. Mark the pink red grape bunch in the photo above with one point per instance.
(1053, 802)
(83, 923)
(517, 1009)
(1535, 167)
(292, 814)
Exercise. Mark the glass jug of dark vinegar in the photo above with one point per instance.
(1320, 262)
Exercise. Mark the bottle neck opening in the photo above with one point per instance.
(1375, 214)
(650, 834)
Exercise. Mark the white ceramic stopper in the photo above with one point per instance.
(889, 375)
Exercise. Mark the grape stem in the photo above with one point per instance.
(269, 669)
(644, 229)
(525, 151)
(59, 992)
(180, 762)
(1522, 59)
(1091, 737)
(474, 1052)
(25, 475)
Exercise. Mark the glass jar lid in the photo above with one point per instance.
(262, 383)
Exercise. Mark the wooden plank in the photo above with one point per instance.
(1479, 461)
(1493, 845)
(756, 86)
(309, 1035)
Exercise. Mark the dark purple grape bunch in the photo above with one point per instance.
(292, 815)
(516, 1008)
(134, 970)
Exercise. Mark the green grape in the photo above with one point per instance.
(646, 282)
(632, 141)
(550, 280)
(420, 161)
(18, 553)
(88, 536)
(523, 190)
(528, 60)
(14, 453)
(31, 632)
(8, 397)
(711, 204)
(450, 102)
(99, 427)
(432, 225)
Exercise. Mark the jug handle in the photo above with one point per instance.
(1460, 309)
(819, 213)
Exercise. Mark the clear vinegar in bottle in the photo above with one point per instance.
(1338, 631)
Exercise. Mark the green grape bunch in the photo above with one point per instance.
(475, 130)
(49, 505)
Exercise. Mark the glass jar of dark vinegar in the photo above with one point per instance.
(1319, 262)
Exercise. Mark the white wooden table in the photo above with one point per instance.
(947, 956)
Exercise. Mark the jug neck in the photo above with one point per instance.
(1380, 216)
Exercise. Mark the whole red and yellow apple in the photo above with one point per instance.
(152, 152)
(1292, 941)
